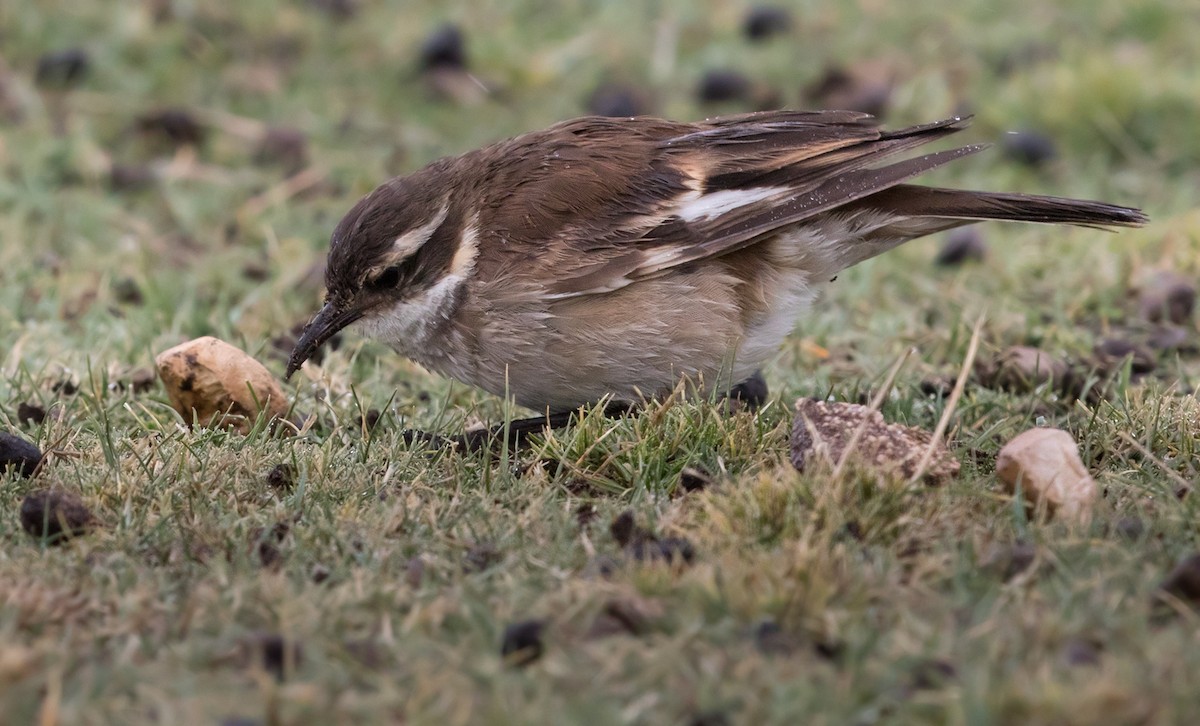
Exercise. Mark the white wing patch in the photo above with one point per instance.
(714, 204)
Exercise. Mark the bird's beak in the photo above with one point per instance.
(327, 322)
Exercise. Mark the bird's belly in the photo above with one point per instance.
(636, 342)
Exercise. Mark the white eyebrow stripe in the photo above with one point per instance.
(463, 261)
(714, 204)
(411, 241)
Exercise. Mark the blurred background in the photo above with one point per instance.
(181, 163)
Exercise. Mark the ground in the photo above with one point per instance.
(341, 576)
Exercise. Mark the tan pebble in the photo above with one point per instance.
(1023, 368)
(1045, 463)
(212, 382)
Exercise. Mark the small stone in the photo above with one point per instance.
(142, 380)
(1130, 528)
(30, 414)
(763, 22)
(481, 557)
(1009, 560)
(772, 639)
(617, 100)
(962, 245)
(337, 9)
(1111, 354)
(625, 616)
(1031, 148)
(671, 550)
(932, 673)
(18, 455)
(1022, 369)
(865, 87)
(720, 86)
(1081, 652)
(319, 574)
(586, 513)
(414, 571)
(444, 48)
(130, 177)
(282, 477)
(127, 291)
(1167, 297)
(1183, 582)
(1045, 464)
(277, 655)
(65, 387)
(54, 516)
(693, 479)
(371, 419)
(824, 429)
(522, 643)
(937, 385)
(1169, 338)
(265, 544)
(211, 382)
(285, 147)
(623, 528)
(62, 69)
(709, 718)
(174, 126)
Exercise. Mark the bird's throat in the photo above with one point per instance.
(414, 325)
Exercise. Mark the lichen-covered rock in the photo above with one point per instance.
(824, 429)
(1045, 463)
(212, 383)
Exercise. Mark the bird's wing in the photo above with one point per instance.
(607, 202)
(629, 200)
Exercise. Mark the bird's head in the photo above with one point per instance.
(393, 259)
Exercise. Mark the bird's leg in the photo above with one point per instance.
(517, 431)
(750, 394)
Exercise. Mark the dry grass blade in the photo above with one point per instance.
(951, 403)
(876, 403)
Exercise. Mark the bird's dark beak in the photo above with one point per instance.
(328, 321)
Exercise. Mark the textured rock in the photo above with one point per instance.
(824, 429)
(212, 382)
(1045, 463)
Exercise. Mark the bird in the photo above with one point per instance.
(606, 259)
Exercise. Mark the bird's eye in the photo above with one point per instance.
(387, 279)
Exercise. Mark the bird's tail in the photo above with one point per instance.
(952, 207)
(890, 217)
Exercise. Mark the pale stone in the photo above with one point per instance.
(212, 382)
(1045, 463)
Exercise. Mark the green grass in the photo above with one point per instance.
(809, 600)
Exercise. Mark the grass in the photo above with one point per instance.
(378, 588)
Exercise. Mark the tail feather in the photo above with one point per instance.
(907, 200)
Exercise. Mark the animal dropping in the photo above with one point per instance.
(211, 382)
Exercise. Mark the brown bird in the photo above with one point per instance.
(604, 259)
